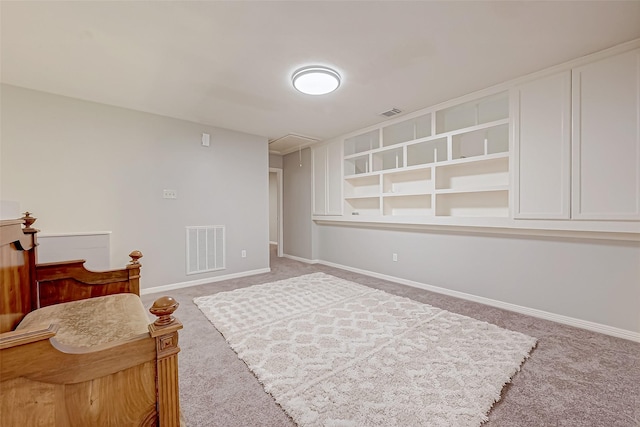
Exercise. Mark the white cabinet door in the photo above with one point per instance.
(606, 139)
(319, 160)
(327, 179)
(542, 147)
(334, 178)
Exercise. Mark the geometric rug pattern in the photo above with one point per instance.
(339, 354)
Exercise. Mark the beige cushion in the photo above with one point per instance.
(93, 321)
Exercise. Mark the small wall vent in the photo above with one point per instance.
(391, 113)
(205, 249)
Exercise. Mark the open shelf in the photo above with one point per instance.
(473, 175)
(448, 162)
(362, 186)
(473, 190)
(481, 142)
(357, 165)
(361, 143)
(410, 181)
(422, 153)
(483, 110)
(473, 204)
(362, 206)
(407, 205)
(407, 130)
(388, 159)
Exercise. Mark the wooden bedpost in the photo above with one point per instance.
(30, 231)
(165, 331)
(134, 271)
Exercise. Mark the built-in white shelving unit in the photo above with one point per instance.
(553, 153)
(449, 162)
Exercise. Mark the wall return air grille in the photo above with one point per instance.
(205, 249)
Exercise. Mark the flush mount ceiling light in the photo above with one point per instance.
(316, 80)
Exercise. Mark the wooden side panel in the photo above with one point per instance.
(15, 294)
(66, 290)
(70, 281)
(122, 399)
(127, 398)
(28, 403)
(15, 278)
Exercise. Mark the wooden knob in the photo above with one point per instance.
(163, 308)
(28, 222)
(135, 257)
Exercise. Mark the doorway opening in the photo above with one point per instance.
(275, 209)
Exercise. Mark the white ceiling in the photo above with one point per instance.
(228, 64)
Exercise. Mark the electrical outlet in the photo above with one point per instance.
(394, 257)
(243, 254)
(169, 194)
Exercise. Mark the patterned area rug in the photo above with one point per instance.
(338, 354)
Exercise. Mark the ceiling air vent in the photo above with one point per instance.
(391, 113)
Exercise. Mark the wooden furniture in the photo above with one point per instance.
(76, 347)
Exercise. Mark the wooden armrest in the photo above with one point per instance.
(26, 336)
(50, 361)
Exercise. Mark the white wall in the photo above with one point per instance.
(593, 280)
(275, 161)
(296, 201)
(81, 166)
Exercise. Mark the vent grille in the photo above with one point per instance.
(205, 249)
(391, 113)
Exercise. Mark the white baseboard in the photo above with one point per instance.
(181, 285)
(305, 260)
(566, 320)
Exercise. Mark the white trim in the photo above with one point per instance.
(305, 260)
(620, 230)
(78, 233)
(273, 243)
(190, 283)
(558, 318)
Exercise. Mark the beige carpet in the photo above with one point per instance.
(335, 353)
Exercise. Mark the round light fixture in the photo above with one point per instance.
(316, 80)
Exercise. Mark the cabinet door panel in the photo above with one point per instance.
(606, 139)
(319, 180)
(334, 178)
(542, 147)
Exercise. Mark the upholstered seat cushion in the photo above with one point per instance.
(93, 321)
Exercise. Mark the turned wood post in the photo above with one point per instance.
(32, 258)
(165, 331)
(134, 272)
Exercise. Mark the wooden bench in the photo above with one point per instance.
(76, 347)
